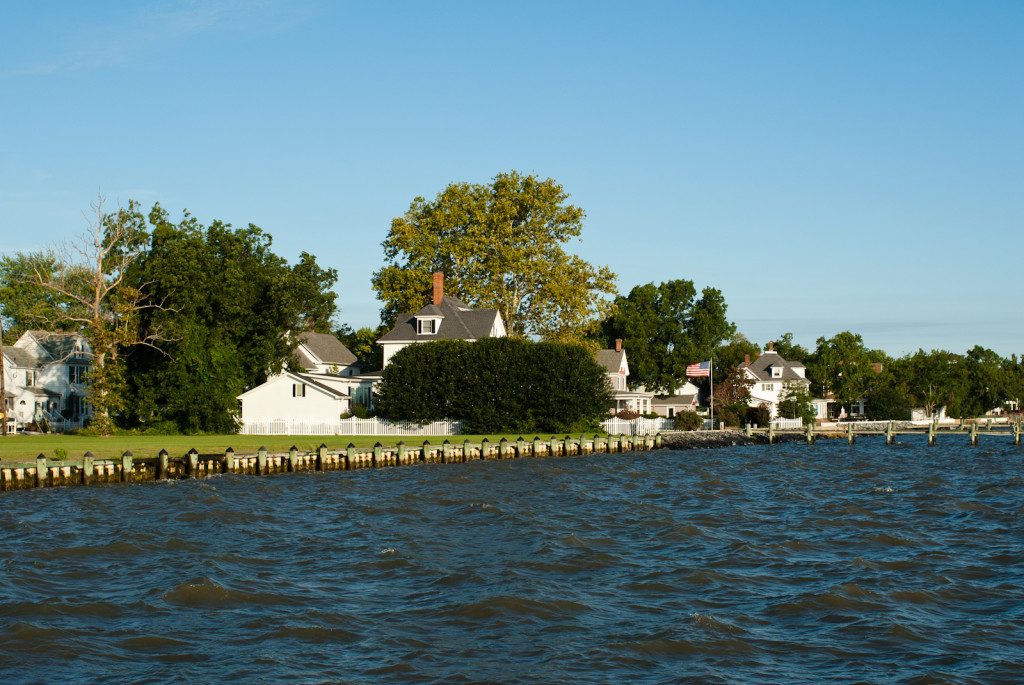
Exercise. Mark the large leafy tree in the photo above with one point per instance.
(229, 301)
(843, 366)
(666, 327)
(499, 246)
(84, 285)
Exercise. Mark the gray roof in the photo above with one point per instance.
(57, 345)
(327, 348)
(610, 360)
(458, 322)
(19, 356)
(311, 380)
(674, 400)
(761, 368)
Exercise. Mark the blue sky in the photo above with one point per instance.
(829, 166)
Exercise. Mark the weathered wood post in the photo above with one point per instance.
(42, 472)
(87, 468)
(261, 461)
(658, 441)
(889, 436)
(467, 451)
(749, 430)
(193, 463)
(520, 444)
(553, 446)
(162, 465)
(446, 452)
(566, 446)
(1016, 433)
(229, 460)
(378, 455)
(931, 433)
(849, 435)
(350, 456)
(425, 451)
(810, 433)
(485, 448)
(401, 452)
(583, 444)
(536, 447)
(321, 457)
(126, 467)
(293, 458)
(988, 427)
(974, 434)
(503, 449)
(771, 433)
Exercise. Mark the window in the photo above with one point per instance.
(76, 374)
(30, 378)
(298, 389)
(427, 326)
(776, 372)
(768, 387)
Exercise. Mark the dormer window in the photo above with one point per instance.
(776, 372)
(427, 326)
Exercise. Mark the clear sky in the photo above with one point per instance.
(829, 166)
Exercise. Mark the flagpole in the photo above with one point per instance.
(711, 380)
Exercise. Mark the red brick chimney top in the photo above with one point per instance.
(618, 345)
(746, 360)
(438, 288)
(771, 347)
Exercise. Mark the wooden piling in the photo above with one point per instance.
(127, 463)
(890, 436)
(42, 475)
(810, 433)
(193, 463)
(261, 461)
(850, 439)
(321, 457)
(974, 434)
(446, 452)
(229, 460)
(87, 469)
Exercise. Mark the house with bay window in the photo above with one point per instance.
(45, 375)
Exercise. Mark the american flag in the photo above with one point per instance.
(699, 370)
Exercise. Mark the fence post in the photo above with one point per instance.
(126, 467)
(41, 471)
(87, 468)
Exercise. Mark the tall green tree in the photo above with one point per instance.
(499, 246)
(666, 327)
(228, 303)
(843, 366)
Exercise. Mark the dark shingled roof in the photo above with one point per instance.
(327, 348)
(673, 400)
(610, 360)
(760, 368)
(458, 322)
(20, 357)
(60, 346)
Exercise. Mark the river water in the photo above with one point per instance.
(781, 564)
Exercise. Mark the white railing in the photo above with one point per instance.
(787, 424)
(351, 426)
(640, 426)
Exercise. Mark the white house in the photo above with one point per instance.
(685, 398)
(45, 377)
(772, 376)
(616, 369)
(445, 318)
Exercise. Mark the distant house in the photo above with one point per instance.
(323, 353)
(445, 318)
(771, 376)
(685, 398)
(45, 377)
(327, 387)
(617, 371)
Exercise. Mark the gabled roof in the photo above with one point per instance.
(610, 360)
(459, 322)
(325, 348)
(60, 345)
(674, 400)
(760, 368)
(20, 357)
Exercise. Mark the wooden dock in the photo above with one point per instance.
(891, 432)
(87, 470)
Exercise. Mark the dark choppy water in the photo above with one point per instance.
(749, 564)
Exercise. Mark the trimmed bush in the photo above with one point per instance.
(688, 421)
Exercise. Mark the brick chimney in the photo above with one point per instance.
(618, 344)
(746, 360)
(771, 346)
(438, 288)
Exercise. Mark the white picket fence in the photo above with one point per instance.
(787, 424)
(639, 426)
(351, 426)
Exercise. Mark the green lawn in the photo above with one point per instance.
(27, 447)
